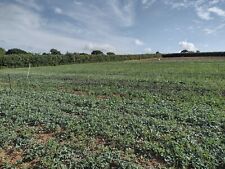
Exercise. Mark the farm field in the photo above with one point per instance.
(130, 114)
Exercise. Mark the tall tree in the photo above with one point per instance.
(55, 52)
(97, 52)
(15, 51)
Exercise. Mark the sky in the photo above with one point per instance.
(120, 26)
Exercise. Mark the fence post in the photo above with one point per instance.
(28, 72)
(10, 85)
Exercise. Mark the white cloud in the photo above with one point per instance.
(24, 29)
(144, 2)
(177, 4)
(30, 3)
(77, 2)
(213, 2)
(138, 42)
(217, 11)
(148, 3)
(214, 29)
(187, 46)
(148, 50)
(204, 8)
(18, 15)
(113, 15)
(203, 13)
(191, 3)
(103, 47)
(122, 13)
(58, 10)
(209, 31)
(92, 29)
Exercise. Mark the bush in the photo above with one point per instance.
(110, 53)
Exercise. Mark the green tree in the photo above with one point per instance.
(97, 52)
(55, 52)
(82, 53)
(15, 51)
(184, 51)
(2, 51)
(110, 53)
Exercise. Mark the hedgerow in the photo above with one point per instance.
(23, 60)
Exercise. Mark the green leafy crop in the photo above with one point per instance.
(133, 114)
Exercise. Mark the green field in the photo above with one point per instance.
(131, 114)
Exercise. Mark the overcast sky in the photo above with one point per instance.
(122, 26)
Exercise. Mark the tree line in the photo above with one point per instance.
(194, 54)
(188, 53)
(20, 58)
